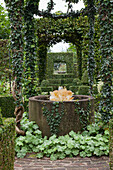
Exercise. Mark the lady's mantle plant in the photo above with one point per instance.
(93, 141)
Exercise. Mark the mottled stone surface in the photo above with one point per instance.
(77, 163)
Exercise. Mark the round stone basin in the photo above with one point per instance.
(72, 117)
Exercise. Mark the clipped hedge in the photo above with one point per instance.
(64, 57)
(7, 144)
(63, 76)
(46, 89)
(111, 143)
(7, 106)
(74, 89)
(83, 90)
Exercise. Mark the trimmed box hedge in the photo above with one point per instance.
(7, 106)
(46, 89)
(74, 89)
(64, 57)
(62, 76)
(111, 143)
(7, 144)
(83, 90)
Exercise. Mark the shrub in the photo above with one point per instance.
(46, 89)
(7, 106)
(85, 78)
(83, 90)
(44, 83)
(76, 82)
(7, 143)
(74, 89)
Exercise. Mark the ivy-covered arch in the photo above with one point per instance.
(51, 32)
(23, 45)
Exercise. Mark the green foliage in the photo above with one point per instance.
(76, 82)
(91, 61)
(85, 78)
(7, 106)
(30, 50)
(5, 61)
(42, 61)
(1, 121)
(55, 80)
(44, 83)
(93, 141)
(79, 36)
(64, 57)
(83, 114)
(111, 143)
(4, 87)
(15, 12)
(46, 89)
(83, 90)
(74, 89)
(54, 116)
(4, 24)
(106, 41)
(7, 143)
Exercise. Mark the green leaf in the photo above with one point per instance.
(53, 157)
(40, 155)
(75, 152)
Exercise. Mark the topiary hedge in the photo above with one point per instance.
(111, 143)
(83, 90)
(7, 106)
(59, 57)
(7, 143)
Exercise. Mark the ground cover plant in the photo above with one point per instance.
(93, 141)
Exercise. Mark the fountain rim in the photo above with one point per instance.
(35, 98)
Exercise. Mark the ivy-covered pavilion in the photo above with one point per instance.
(23, 44)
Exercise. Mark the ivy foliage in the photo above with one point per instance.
(50, 32)
(106, 40)
(30, 47)
(91, 62)
(54, 116)
(16, 7)
(19, 9)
